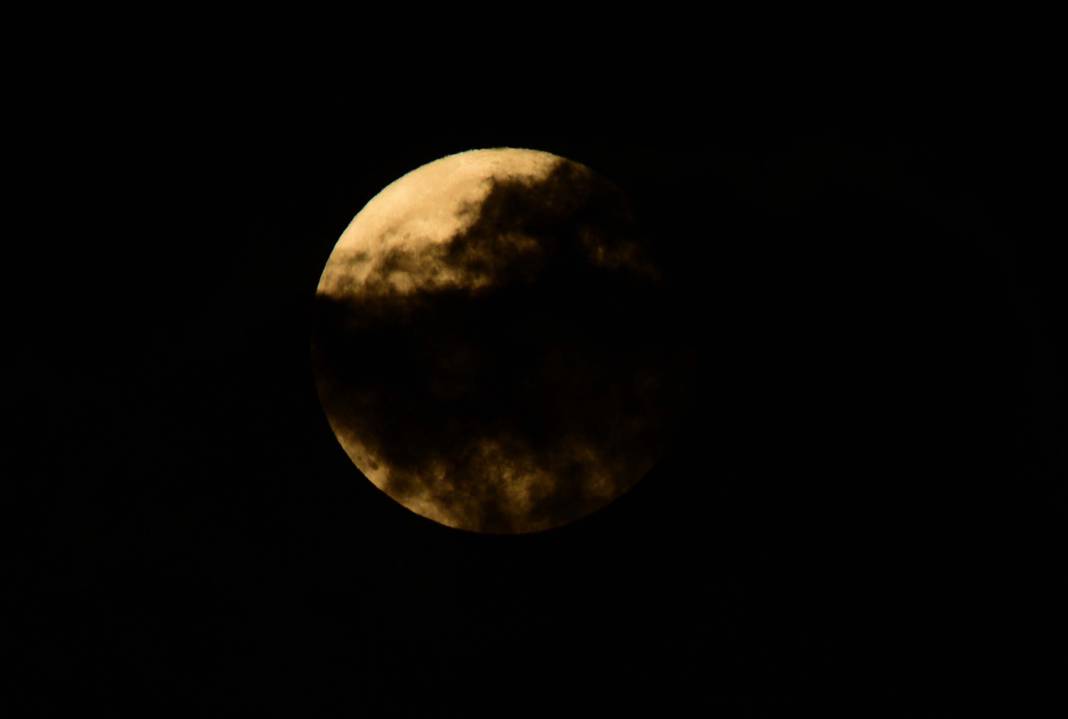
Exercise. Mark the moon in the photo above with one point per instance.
(488, 346)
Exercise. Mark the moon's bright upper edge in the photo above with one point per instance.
(426, 206)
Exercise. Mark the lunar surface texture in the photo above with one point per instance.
(489, 342)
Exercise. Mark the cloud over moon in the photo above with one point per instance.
(486, 342)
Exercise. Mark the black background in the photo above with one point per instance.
(864, 517)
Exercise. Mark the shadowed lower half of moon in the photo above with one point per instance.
(488, 343)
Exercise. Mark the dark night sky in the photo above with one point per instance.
(862, 518)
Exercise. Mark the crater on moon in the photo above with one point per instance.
(486, 342)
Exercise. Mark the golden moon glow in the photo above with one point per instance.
(483, 346)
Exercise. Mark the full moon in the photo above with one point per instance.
(487, 343)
